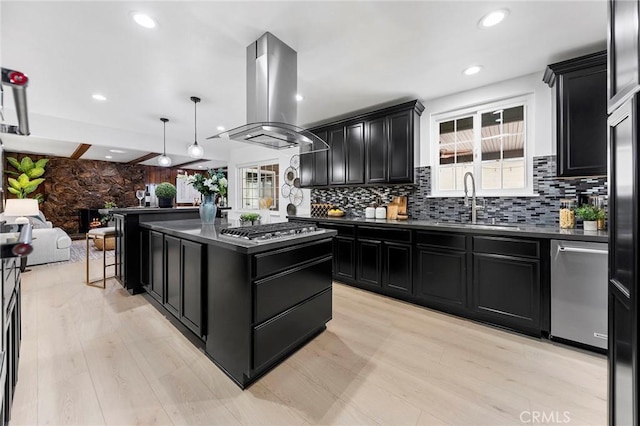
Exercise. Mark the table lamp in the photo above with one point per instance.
(21, 207)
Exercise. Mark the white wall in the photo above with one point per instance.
(544, 137)
(251, 154)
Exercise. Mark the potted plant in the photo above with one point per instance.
(249, 218)
(590, 216)
(165, 193)
(107, 217)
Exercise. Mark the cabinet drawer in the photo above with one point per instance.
(384, 234)
(279, 335)
(441, 239)
(280, 292)
(506, 246)
(343, 230)
(279, 260)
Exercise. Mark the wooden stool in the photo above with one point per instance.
(96, 235)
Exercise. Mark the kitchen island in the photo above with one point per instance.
(248, 305)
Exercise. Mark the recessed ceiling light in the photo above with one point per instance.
(220, 128)
(108, 156)
(99, 97)
(144, 20)
(474, 69)
(117, 151)
(200, 167)
(493, 18)
(299, 97)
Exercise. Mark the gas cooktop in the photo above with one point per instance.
(271, 232)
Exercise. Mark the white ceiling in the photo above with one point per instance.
(351, 56)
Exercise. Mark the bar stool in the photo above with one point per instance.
(100, 234)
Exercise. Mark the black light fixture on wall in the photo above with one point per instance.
(195, 150)
(164, 160)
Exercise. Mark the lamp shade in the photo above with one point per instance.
(21, 207)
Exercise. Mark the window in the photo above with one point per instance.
(489, 141)
(260, 181)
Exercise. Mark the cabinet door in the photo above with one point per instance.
(145, 258)
(376, 145)
(120, 249)
(506, 291)
(441, 277)
(337, 172)
(192, 298)
(355, 153)
(156, 253)
(320, 170)
(306, 169)
(623, 59)
(397, 268)
(401, 147)
(344, 258)
(369, 262)
(582, 122)
(172, 274)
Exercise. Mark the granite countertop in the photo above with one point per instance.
(194, 230)
(145, 210)
(505, 229)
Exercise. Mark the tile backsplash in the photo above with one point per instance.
(541, 209)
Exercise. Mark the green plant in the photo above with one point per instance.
(249, 217)
(106, 218)
(166, 190)
(28, 176)
(589, 212)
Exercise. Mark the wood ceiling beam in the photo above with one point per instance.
(80, 150)
(149, 156)
(189, 163)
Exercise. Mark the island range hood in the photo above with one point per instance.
(272, 111)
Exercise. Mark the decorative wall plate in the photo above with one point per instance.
(296, 196)
(290, 174)
(285, 190)
(295, 161)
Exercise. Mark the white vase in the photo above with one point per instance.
(590, 225)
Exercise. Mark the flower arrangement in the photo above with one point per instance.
(210, 183)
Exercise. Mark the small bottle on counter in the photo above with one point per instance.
(147, 197)
(567, 214)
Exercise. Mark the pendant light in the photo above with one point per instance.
(195, 150)
(163, 160)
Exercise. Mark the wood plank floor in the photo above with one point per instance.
(92, 356)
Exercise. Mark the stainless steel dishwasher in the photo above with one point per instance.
(579, 292)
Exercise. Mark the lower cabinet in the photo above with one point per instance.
(397, 266)
(369, 262)
(506, 285)
(12, 334)
(176, 271)
(498, 280)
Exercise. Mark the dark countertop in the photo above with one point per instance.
(152, 210)
(518, 230)
(192, 229)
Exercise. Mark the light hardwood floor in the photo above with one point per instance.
(93, 356)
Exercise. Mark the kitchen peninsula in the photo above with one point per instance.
(248, 304)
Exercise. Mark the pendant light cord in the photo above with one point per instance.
(195, 123)
(164, 138)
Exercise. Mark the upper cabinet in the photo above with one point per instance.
(624, 61)
(373, 148)
(581, 114)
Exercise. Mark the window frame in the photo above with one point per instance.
(240, 179)
(528, 102)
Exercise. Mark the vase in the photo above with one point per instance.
(590, 225)
(208, 210)
(165, 202)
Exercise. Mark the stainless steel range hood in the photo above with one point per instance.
(272, 112)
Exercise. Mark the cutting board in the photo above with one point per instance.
(401, 202)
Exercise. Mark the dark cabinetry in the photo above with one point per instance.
(372, 148)
(581, 114)
(441, 270)
(623, 49)
(369, 270)
(11, 333)
(175, 271)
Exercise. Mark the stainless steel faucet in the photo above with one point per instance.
(474, 206)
